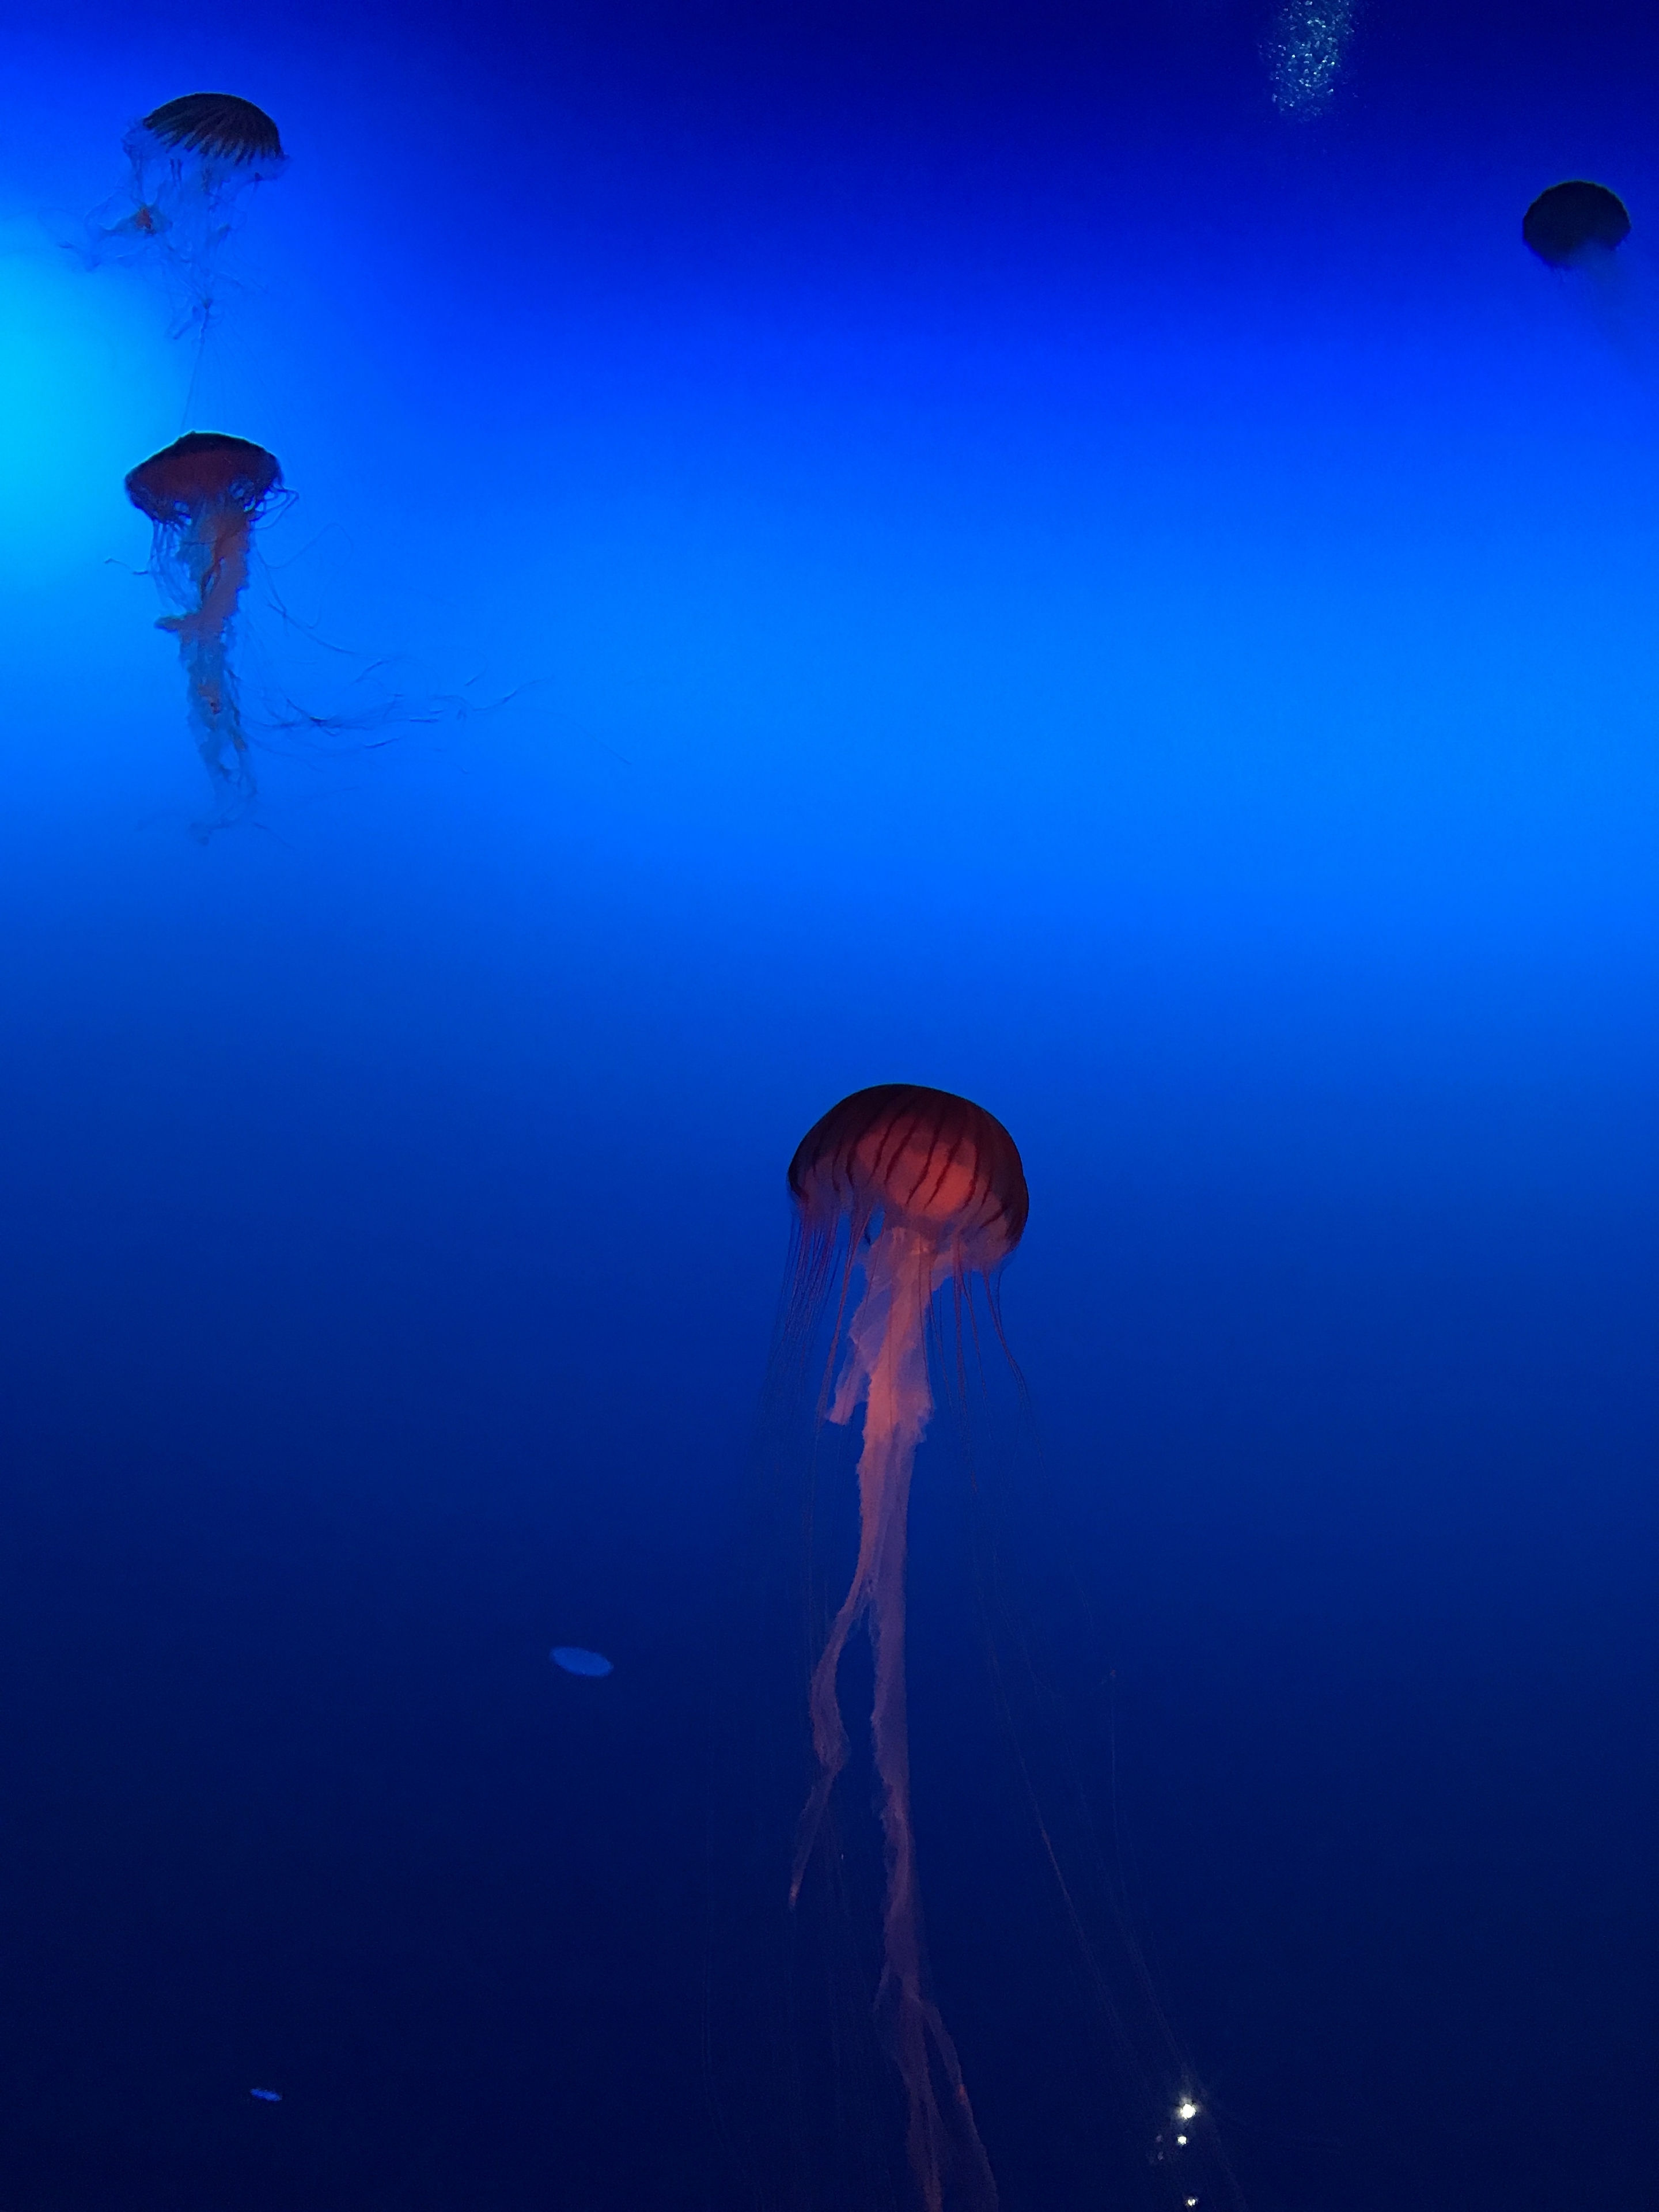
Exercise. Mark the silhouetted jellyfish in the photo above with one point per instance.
(1575, 222)
(204, 494)
(192, 160)
(919, 1191)
(217, 126)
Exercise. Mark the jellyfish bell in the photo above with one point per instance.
(202, 496)
(921, 1159)
(217, 126)
(202, 472)
(199, 152)
(1574, 224)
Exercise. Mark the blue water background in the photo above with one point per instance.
(949, 544)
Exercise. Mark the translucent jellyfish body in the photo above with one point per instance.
(193, 162)
(202, 495)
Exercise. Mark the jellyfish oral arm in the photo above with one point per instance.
(209, 566)
(887, 1374)
(216, 556)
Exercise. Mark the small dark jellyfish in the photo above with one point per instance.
(203, 495)
(920, 1191)
(192, 160)
(1575, 222)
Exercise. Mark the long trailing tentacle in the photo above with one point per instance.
(829, 1733)
(887, 1373)
(205, 574)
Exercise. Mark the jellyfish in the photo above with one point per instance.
(1578, 230)
(1573, 224)
(203, 495)
(920, 1191)
(193, 161)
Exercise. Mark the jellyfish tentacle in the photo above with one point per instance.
(215, 711)
(887, 1374)
(220, 558)
(873, 1378)
(214, 556)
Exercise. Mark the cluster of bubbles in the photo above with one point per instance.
(1305, 47)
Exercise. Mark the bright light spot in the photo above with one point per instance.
(1182, 2140)
(83, 382)
(1191, 2201)
(1186, 2110)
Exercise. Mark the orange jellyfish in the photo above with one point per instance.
(203, 495)
(920, 1191)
